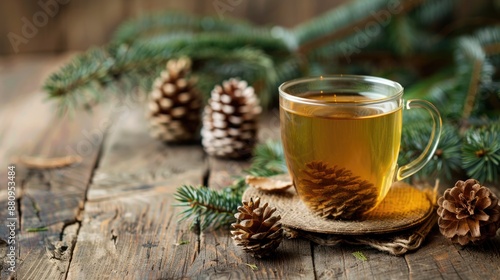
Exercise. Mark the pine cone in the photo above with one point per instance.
(174, 106)
(256, 229)
(468, 212)
(335, 192)
(230, 120)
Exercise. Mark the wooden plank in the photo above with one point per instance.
(339, 262)
(219, 258)
(50, 198)
(439, 258)
(54, 199)
(132, 162)
(130, 227)
(136, 237)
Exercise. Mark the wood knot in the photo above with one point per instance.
(57, 250)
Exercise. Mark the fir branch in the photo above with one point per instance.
(211, 206)
(481, 153)
(81, 81)
(446, 159)
(474, 69)
(471, 81)
(431, 11)
(343, 22)
(402, 35)
(335, 24)
(268, 159)
(423, 88)
(489, 38)
(446, 96)
(215, 208)
(84, 77)
(174, 22)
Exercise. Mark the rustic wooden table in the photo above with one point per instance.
(112, 216)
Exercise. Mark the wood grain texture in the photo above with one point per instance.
(439, 258)
(54, 199)
(49, 199)
(219, 258)
(135, 237)
(133, 163)
(339, 263)
(130, 223)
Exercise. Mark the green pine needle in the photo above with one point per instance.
(360, 256)
(481, 153)
(37, 229)
(252, 266)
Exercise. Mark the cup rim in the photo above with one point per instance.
(375, 80)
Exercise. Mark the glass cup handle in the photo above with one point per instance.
(417, 164)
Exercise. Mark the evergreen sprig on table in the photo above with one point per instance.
(215, 208)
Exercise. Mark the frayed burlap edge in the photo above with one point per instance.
(395, 244)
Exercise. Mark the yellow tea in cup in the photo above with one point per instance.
(341, 136)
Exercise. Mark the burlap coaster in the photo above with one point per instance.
(398, 225)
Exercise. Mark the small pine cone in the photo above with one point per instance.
(256, 229)
(333, 192)
(230, 120)
(468, 212)
(174, 107)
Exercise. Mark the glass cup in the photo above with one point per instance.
(341, 136)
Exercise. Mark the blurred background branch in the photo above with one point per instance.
(80, 24)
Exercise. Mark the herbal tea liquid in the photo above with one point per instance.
(341, 158)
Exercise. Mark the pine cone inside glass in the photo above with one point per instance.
(174, 107)
(256, 229)
(468, 212)
(334, 192)
(230, 120)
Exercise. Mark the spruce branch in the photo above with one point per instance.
(458, 93)
(431, 11)
(129, 66)
(476, 71)
(175, 22)
(210, 206)
(215, 208)
(343, 22)
(88, 75)
(268, 159)
(402, 35)
(446, 159)
(481, 153)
